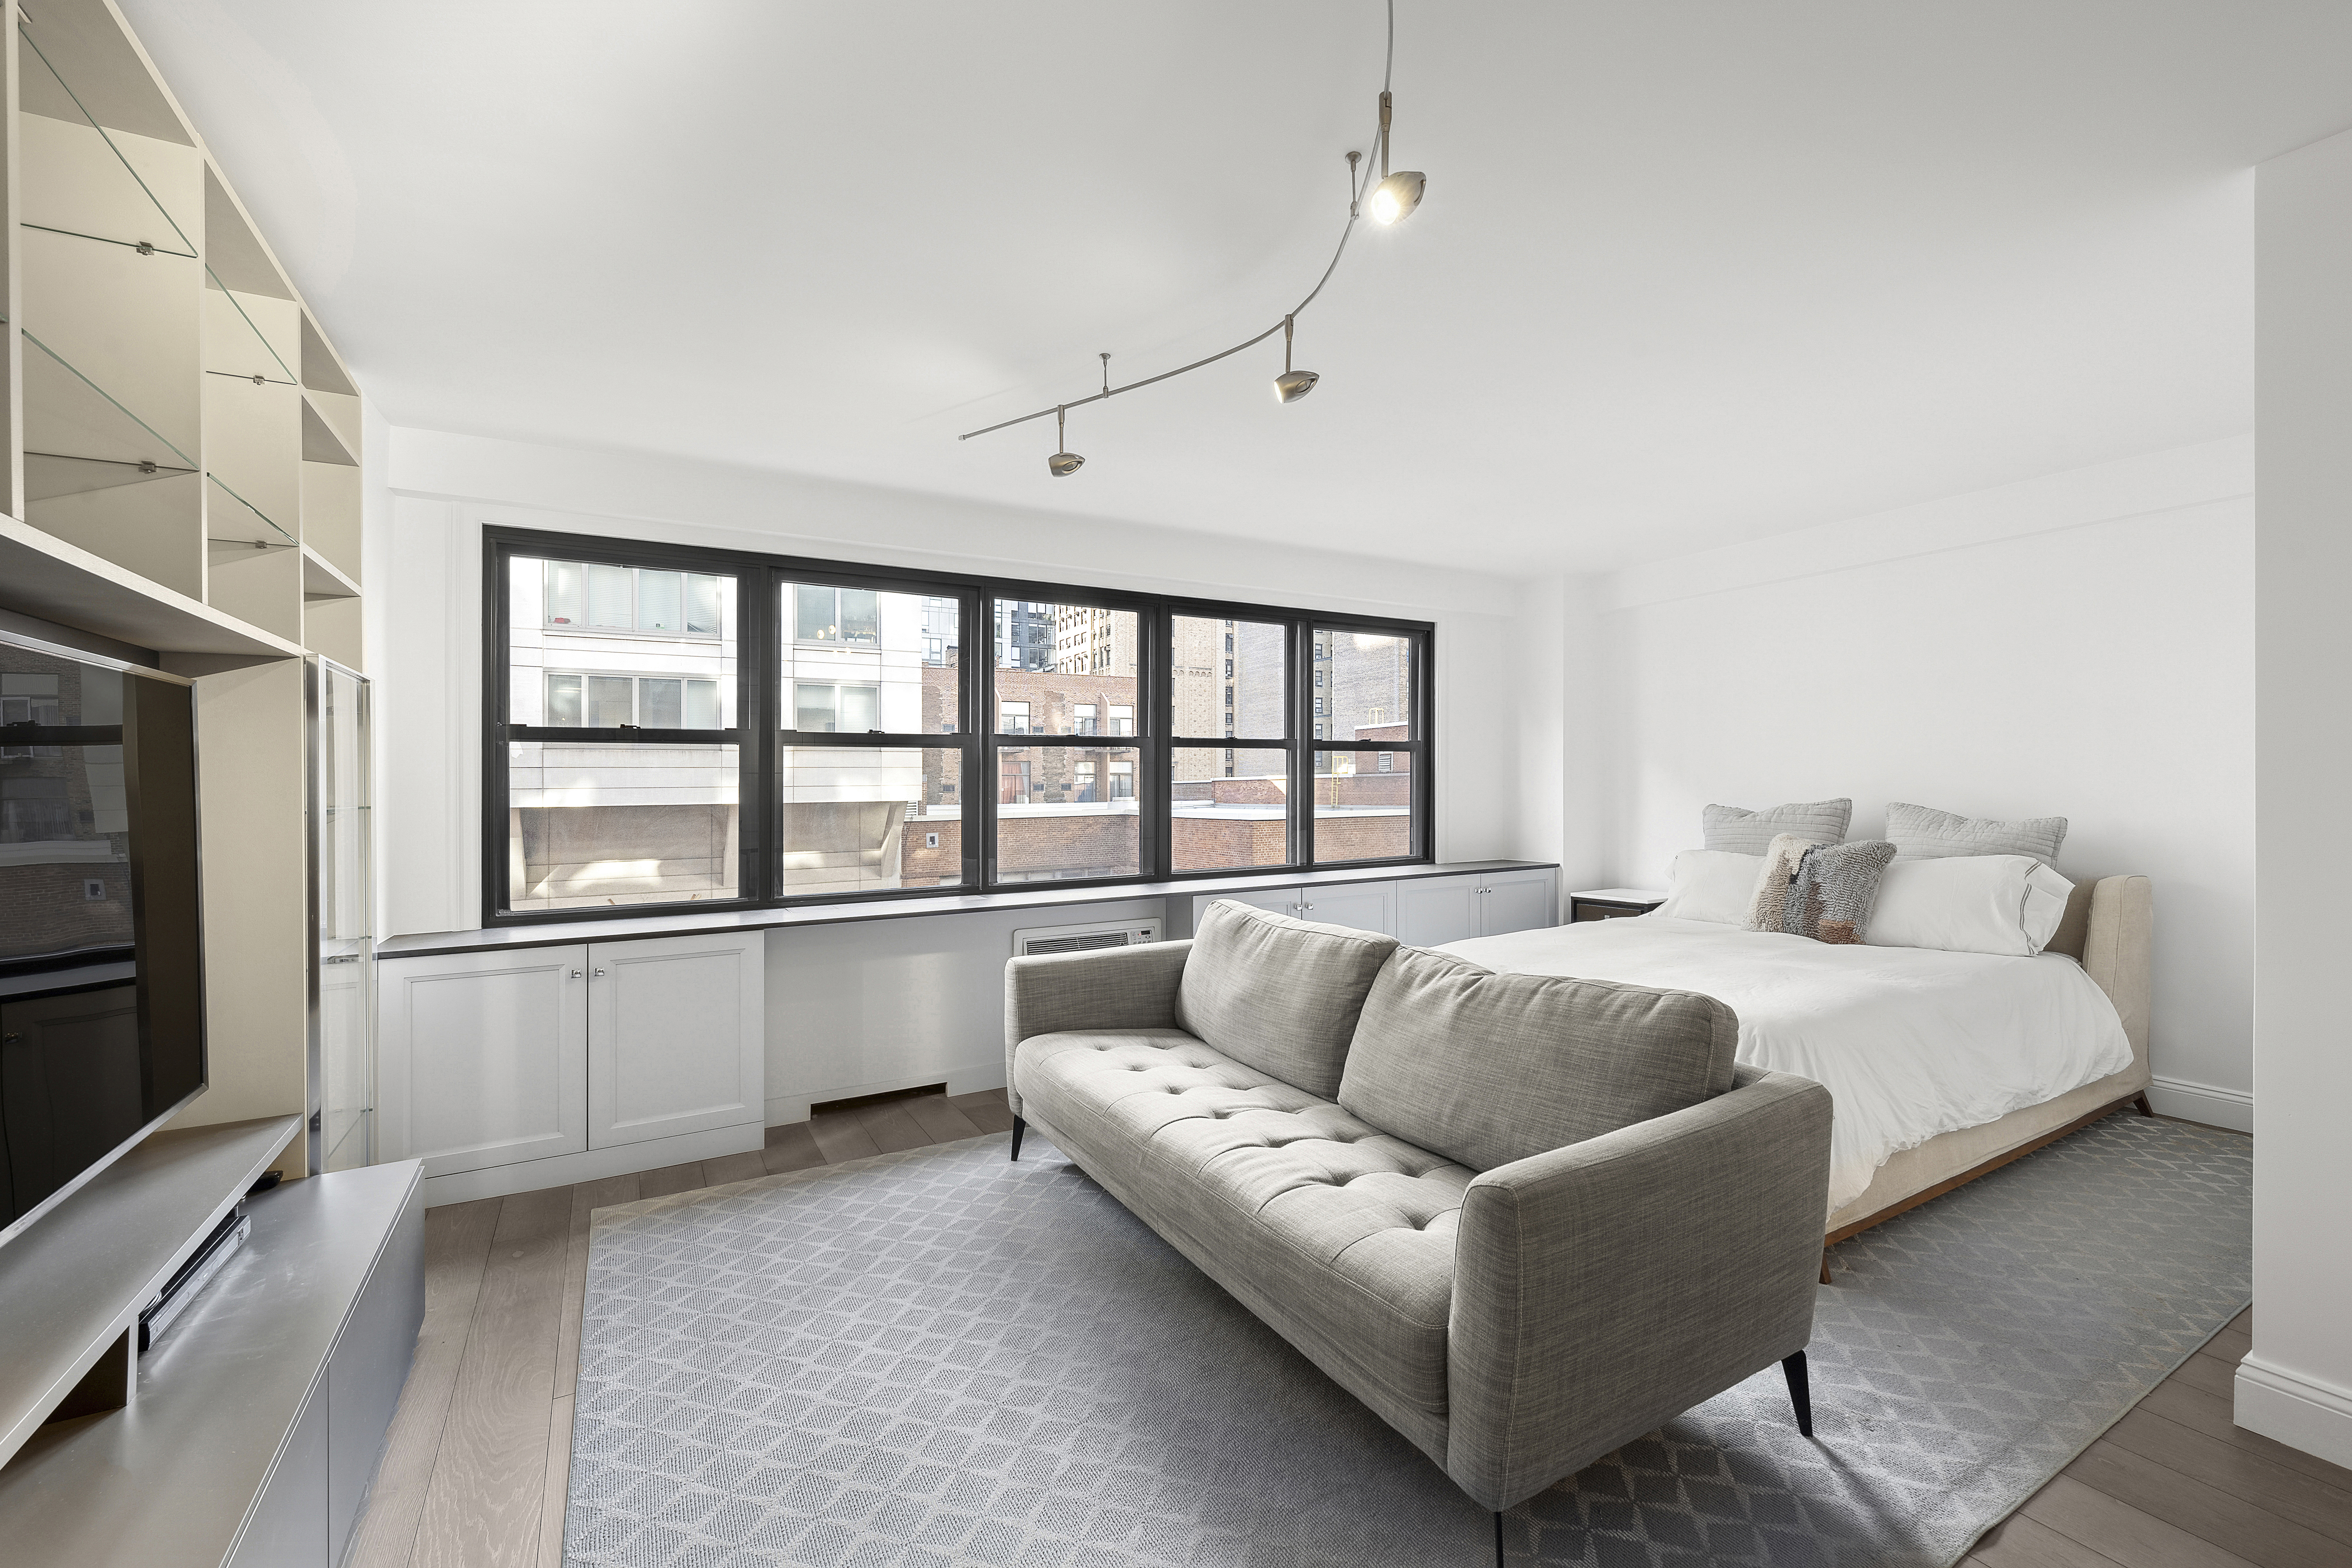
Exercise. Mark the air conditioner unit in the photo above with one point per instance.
(1039, 940)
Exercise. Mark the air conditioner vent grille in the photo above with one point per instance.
(1039, 940)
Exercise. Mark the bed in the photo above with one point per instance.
(1943, 1065)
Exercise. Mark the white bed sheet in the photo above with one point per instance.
(1910, 1042)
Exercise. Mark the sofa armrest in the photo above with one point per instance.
(1603, 1288)
(1116, 988)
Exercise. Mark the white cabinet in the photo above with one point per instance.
(586, 1055)
(675, 1038)
(1432, 911)
(1362, 906)
(484, 1059)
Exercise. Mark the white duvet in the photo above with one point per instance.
(1910, 1042)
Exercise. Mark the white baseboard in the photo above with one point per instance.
(563, 1170)
(2294, 1410)
(2192, 1102)
(786, 1108)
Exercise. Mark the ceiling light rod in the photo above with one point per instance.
(1395, 197)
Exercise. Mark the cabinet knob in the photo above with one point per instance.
(600, 973)
(576, 975)
(1306, 906)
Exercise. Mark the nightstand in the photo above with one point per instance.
(1613, 903)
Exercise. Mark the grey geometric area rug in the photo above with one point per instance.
(939, 1358)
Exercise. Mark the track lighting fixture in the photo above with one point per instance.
(1389, 201)
(1064, 463)
(1292, 385)
(1397, 194)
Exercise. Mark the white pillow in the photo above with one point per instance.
(1969, 904)
(1711, 885)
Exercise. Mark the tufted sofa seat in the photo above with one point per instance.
(1523, 1218)
(1353, 1228)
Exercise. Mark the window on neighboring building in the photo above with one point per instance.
(619, 763)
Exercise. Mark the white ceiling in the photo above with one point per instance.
(1687, 274)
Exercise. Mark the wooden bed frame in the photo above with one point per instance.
(2107, 927)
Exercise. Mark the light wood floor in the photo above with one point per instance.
(475, 1471)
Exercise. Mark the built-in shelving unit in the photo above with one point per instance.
(182, 473)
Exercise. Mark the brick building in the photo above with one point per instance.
(65, 821)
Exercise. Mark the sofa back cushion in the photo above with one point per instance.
(1486, 1069)
(1278, 994)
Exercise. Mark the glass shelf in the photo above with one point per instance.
(233, 519)
(79, 436)
(246, 343)
(113, 205)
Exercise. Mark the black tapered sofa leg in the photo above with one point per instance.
(1800, 1393)
(1019, 1127)
(1498, 1540)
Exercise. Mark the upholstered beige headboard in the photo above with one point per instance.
(2110, 925)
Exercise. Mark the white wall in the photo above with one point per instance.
(2296, 1385)
(2078, 646)
(852, 1009)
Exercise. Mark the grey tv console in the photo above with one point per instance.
(253, 1426)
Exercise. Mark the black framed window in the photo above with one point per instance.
(669, 726)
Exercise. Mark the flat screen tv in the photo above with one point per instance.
(101, 966)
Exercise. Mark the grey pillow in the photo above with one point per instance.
(1824, 892)
(1752, 832)
(1920, 833)
(1486, 1069)
(1278, 994)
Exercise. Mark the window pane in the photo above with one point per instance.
(661, 601)
(1369, 693)
(1047, 830)
(564, 607)
(563, 699)
(608, 706)
(1122, 718)
(861, 617)
(861, 709)
(702, 705)
(812, 707)
(856, 819)
(598, 824)
(1361, 812)
(658, 705)
(1062, 666)
(609, 598)
(1228, 807)
(1011, 718)
(859, 638)
(1228, 678)
(702, 611)
(561, 654)
(813, 618)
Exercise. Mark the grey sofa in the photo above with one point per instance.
(1524, 1218)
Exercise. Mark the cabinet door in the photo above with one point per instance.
(1517, 900)
(1272, 900)
(288, 1525)
(1434, 910)
(677, 1037)
(1360, 905)
(484, 1057)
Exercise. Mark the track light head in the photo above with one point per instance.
(1292, 384)
(1065, 463)
(1394, 198)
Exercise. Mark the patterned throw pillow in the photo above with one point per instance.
(1819, 890)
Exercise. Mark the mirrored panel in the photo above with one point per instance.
(1363, 805)
(1229, 808)
(859, 820)
(1066, 812)
(1227, 678)
(1362, 686)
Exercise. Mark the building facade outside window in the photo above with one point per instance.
(1131, 738)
